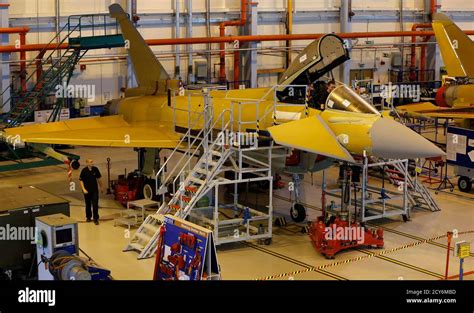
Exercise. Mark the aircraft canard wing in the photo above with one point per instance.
(455, 46)
(428, 109)
(109, 131)
(310, 134)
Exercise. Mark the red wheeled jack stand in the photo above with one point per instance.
(339, 235)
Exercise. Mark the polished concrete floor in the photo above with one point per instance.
(291, 255)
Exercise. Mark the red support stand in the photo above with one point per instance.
(327, 245)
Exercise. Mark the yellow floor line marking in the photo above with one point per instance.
(294, 261)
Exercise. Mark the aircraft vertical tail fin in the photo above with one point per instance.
(148, 70)
(456, 47)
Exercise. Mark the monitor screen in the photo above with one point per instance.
(63, 236)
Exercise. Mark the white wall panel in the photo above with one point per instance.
(456, 5)
(106, 75)
(31, 8)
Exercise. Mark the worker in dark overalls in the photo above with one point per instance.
(90, 180)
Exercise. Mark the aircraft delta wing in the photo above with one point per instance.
(144, 117)
(107, 131)
(132, 127)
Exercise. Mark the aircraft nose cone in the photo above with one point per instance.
(393, 140)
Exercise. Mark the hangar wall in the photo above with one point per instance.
(109, 75)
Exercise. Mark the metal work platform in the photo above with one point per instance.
(399, 194)
(369, 201)
(418, 194)
(207, 165)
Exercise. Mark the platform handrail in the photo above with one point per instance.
(193, 154)
(40, 91)
(81, 25)
(175, 150)
(46, 60)
(268, 109)
(57, 43)
(165, 181)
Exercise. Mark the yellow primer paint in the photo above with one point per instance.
(310, 134)
(355, 125)
(147, 121)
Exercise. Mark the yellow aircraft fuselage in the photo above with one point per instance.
(458, 96)
(246, 109)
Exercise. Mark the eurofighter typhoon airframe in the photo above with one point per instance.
(348, 126)
(455, 99)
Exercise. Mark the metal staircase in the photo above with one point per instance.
(199, 181)
(60, 70)
(220, 167)
(56, 68)
(418, 195)
(193, 181)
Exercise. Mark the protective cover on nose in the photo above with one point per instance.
(343, 98)
(393, 140)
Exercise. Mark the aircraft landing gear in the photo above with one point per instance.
(297, 210)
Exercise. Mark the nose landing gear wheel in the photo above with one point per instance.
(298, 213)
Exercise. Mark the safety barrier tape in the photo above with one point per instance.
(294, 261)
(367, 256)
(416, 237)
(379, 226)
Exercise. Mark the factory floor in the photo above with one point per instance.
(408, 254)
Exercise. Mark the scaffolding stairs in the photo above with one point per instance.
(199, 181)
(204, 144)
(418, 195)
(194, 182)
(56, 68)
